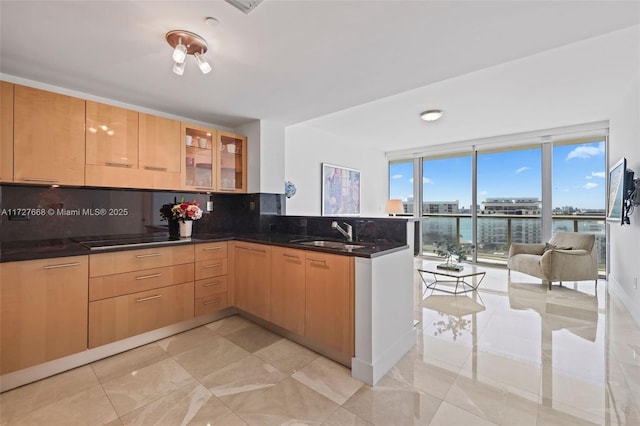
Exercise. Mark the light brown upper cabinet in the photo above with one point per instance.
(48, 137)
(199, 147)
(130, 149)
(6, 131)
(111, 136)
(112, 146)
(232, 164)
(159, 143)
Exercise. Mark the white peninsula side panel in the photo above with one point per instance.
(383, 313)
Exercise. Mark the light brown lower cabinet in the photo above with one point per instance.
(48, 307)
(212, 291)
(135, 291)
(312, 295)
(124, 316)
(329, 313)
(288, 289)
(211, 295)
(43, 310)
(252, 275)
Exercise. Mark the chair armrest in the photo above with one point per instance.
(577, 252)
(520, 248)
(562, 265)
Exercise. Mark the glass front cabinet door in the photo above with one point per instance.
(200, 157)
(232, 168)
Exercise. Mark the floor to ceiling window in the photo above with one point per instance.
(401, 183)
(446, 202)
(509, 189)
(579, 183)
(525, 189)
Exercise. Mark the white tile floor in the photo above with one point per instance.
(514, 353)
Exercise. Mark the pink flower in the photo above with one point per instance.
(187, 211)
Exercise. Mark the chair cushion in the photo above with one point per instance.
(549, 246)
(575, 240)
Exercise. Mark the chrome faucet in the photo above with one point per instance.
(348, 233)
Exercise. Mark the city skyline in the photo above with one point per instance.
(578, 170)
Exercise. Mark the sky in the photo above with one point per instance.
(578, 176)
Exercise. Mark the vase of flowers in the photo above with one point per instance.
(185, 213)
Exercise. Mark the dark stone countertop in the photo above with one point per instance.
(43, 249)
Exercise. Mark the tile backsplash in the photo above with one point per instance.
(32, 213)
(38, 212)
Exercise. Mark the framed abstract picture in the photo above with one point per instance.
(340, 191)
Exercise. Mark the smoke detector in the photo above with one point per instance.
(244, 6)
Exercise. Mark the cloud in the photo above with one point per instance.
(483, 192)
(589, 185)
(522, 169)
(598, 174)
(396, 177)
(588, 177)
(424, 180)
(584, 151)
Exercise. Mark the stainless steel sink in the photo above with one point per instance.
(332, 244)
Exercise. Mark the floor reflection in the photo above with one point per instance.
(524, 354)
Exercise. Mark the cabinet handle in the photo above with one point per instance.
(157, 169)
(216, 300)
(317, 260)
(211, 284)
(251, 249)
(113, 164)
(206, 188)
(291, 256)
(62, 265)
(144, 277)
(39, 180)
(215, 265)
(212, 248)
(142, 256)
(227, 190)
(144, 299)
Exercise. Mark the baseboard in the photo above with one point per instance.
(371, 374)
(41, 371)
(617, 290)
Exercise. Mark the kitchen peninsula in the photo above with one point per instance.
(354, 303)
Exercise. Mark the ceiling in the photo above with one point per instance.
(286, 61)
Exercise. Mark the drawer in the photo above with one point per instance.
(208, 251)
(210, 286)
(120, 317)
(136, 260)
(213, 303)
(134, 282)
(211, 268)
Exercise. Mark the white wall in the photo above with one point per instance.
(625, 240)
(266, 156)
(252, 131)
(306, 148)
(272, 157)
(589, 81)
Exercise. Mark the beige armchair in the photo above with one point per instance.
(568, 256)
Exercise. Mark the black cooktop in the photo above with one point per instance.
(105, 242)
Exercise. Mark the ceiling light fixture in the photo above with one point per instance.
(180, 52)
(187, 43)
(202, 63)
(211, 21)
(431, 115)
